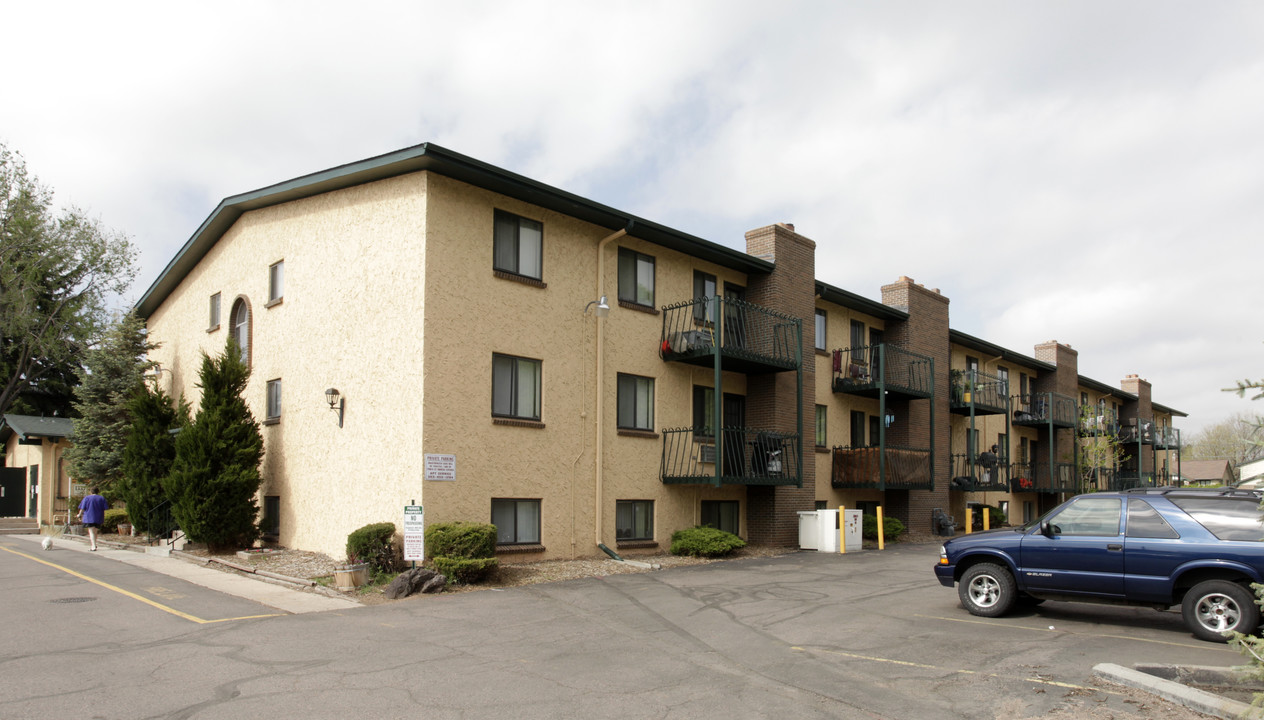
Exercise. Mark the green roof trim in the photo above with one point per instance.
(432, 158)
(959, 338)
(33, 426)
(859, 303)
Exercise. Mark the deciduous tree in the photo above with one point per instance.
(58, 273)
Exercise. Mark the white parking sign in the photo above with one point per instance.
(414, 533)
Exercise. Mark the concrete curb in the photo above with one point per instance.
(1176, 692)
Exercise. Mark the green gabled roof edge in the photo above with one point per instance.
(440, 160)
(860, 303)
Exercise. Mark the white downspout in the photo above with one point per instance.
(601, 396)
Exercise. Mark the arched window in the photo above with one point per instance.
(241, 327)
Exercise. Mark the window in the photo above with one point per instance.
(1002, 448)
(1097, 517)
(821, 412)
(704, 287)
(1002, 375)
(875, 431)
(1226, 519)
(214, 323)
(1145, 522)
(271, 523)
(517, 521)
(276, 282)
(274, 400)
(703, 411)
(634, 520)
(857, 428)
(1023, 450)
(857, 342)
(636, 277)
(820, 329)
(972, 368)
(241, 328)
(636, 402)
(721, 515)
(518, 245)
(515, 387)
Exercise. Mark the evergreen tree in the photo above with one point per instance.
(150, 452)
(215, 476)
(114, 369)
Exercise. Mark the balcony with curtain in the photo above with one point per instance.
(882, 468)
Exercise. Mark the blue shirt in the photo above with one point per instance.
(93, 507)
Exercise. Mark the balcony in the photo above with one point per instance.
(1128, 479)
(1041, 478)
(976, 393)
(1167, 438)
(1097, 421)
(882, 468)
(1137, 432)
(872, 370)
(746, 338)
(745, 457)
(979, 473)
(1048, 408)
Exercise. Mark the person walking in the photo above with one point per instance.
(92, 512)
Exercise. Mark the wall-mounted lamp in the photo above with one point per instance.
(602, 308)
(337, 403)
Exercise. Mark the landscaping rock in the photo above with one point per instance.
(413, 581)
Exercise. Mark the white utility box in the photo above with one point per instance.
(853, 530)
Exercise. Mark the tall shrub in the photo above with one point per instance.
(149, 452)
(215, 476)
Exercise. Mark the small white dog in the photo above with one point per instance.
(48, 542)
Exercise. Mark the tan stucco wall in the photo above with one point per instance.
(351, 318)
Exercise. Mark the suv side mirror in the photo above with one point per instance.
(1046, 529)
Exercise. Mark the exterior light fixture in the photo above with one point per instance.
(336, 402)
(602, 310)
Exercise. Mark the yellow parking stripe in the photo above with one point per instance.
(906, 663)
(1047, 630)
(133, 595)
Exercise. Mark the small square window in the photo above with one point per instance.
(517, 521)
(634, 520)
(276, 281)
(517, 245)
(516, 387)
(820, 329)
(636, 277)
(636, 402)
(214, 321)
(274, 400)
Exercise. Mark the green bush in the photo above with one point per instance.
(461, 540)
(373, 544)
(892, 528)
(112, 519)
(465, 570)
(705, 542)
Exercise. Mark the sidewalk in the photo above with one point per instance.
(274, 596)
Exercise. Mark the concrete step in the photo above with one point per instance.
(19, 526)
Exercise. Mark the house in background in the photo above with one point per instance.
(1207, 472)
(33, 482)
(425, 328)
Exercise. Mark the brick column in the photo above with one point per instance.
(772, 512)
(1064, 380)
(926, 333)
(1139, 410)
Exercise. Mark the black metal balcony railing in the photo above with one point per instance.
(985, 394)
(1047, 408)
(870, 370)
(1098, 421)
(876, 468)
(1167, 437)
(748, 337)
(742, 456)
(1137, 431)
(979, 473)
(1099, 480)
(1128, 479)
(1039, 477)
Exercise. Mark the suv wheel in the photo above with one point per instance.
(987, 590)
(1214, 607)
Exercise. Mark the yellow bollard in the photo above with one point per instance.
(881, 534)
(969, 520)
(842, 528)
(987, 518)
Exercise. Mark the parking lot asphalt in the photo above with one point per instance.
(868, 634)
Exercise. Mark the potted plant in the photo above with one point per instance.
(351, 574)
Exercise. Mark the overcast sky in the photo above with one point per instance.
(1088, 172)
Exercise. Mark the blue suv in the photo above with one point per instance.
(1157, 547)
